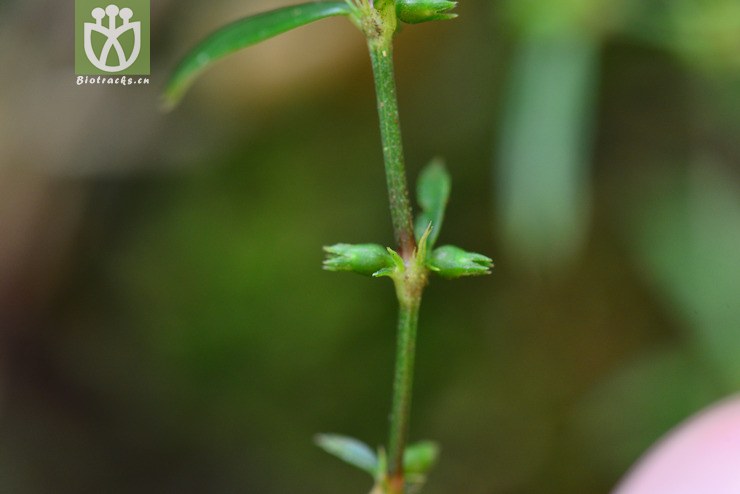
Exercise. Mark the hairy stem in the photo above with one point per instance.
(381, 55)
(402, 385)
(379, 27)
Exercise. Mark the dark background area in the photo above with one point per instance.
(165, 325)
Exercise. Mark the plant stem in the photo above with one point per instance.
(379, 28)
(381, 55)
(402, 385)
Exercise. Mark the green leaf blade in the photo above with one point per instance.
(350, 451)
(432, 192)
(241, 34)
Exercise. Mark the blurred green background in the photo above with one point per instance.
(165, 325)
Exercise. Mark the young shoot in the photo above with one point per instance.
(398, 468)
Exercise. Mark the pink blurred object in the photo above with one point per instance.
(701, 456)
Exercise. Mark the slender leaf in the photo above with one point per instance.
(243, 33)
(349, 450)
(432, 191)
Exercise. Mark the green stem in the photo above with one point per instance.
(379, 27)
(402, 384)
(381, 55)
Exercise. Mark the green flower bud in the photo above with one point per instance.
(416, 11)
(452, 262)
(364, 259)
(420, 457)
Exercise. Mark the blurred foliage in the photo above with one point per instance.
(543, 189)
(165, 325)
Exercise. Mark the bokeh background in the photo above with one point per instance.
(164, 322)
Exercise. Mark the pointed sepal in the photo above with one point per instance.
(422, 249)
(397, 266)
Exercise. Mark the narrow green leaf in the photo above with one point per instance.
(432, 191)
(243, 33)
(420, 457)
(349, 450)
